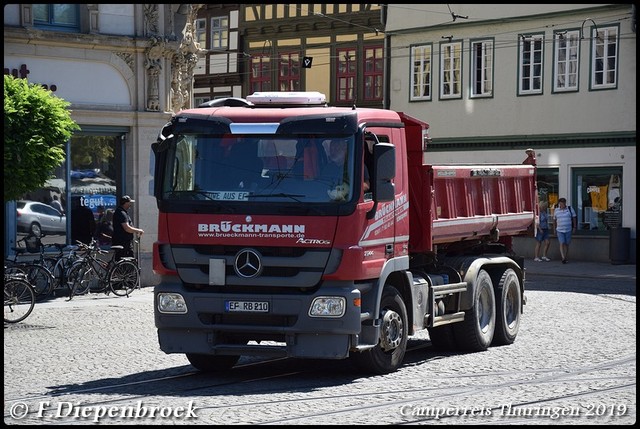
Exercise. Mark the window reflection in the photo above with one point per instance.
(598, 198)
(93, 182)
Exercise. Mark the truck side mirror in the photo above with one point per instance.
(384, 164)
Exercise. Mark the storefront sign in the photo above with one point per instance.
(98, 203)
(612, 219)
(22, 73)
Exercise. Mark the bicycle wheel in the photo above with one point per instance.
(11, 268)
(40, 278)
(58, 272)
(61, 272)
(49, 262)
(19, 300)
(78, 279)
(124, 277)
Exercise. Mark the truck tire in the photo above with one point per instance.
(212, 363)
(509, 306)
(388, 355)
(475, 333)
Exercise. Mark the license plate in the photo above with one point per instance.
(247, 306)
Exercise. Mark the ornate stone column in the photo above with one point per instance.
(152, 57)
(184, 62)
(153, 65)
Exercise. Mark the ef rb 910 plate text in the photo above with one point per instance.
(246, 306)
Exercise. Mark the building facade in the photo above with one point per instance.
(125, 69)
(336, 49)
(218, 73)
(493, 81)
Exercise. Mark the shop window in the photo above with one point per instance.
(597, 198)
(547, 179)
(548, 185)
(93, 170)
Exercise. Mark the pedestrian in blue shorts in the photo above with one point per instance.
(566, 223)
(542, 234)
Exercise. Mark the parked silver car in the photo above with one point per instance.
(38, 218)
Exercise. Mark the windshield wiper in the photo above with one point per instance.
(191, 194)
(294, 197)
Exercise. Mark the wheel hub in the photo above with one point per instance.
(392, 330)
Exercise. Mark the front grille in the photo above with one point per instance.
(283, 267)
(220, 250)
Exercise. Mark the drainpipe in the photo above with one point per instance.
(387, 60)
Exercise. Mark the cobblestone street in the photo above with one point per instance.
(96, 358)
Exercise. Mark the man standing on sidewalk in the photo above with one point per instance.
(566, 224)
(123, 228)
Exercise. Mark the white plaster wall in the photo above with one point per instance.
(106, 85)
(410, 16)
(116, 19)
(506, 113)
(11, 14)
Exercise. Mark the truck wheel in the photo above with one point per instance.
(388, 355)
(212, 363)
(475, 333)
(509, 308)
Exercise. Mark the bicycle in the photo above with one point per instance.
(19, 297)
(37, 271)
(137, 243)
(64, 260)
(92, 274)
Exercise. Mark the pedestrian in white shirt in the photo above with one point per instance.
(566, 223)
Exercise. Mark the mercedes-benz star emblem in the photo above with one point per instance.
(247, 263)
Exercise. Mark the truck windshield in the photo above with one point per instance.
(255, 168)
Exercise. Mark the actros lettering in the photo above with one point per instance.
(312, 241)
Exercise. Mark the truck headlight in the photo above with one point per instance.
(327, 306)
(171, 303)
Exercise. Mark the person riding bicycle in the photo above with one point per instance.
(123, 229)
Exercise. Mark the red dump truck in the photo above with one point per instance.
(272, 243)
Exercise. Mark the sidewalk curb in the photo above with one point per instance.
(583, 270)
(583, 276)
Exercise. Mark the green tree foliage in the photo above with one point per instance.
(37, 125)
(87, 153)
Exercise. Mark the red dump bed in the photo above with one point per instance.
(451, 203)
